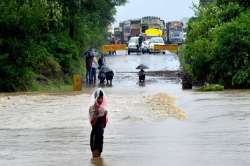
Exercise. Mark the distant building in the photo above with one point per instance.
(164, 29)
(110, 32)
(110, 28)
(125, 28)
(162, 25)
(118, 34)
(135, 27)
(175, 32)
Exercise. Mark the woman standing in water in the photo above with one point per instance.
(98, 120)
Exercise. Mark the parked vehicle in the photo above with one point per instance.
(175, 32)
(145, 46)
(133, 45)
(155, 41)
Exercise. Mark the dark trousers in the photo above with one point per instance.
(93, 75)
(89, 76)
(142, 78)
(96, 139)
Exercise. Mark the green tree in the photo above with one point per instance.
(42, 39)
(206, 2)
(218, 44)
(242, 3)
(232, 52)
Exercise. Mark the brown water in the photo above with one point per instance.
(143, 129)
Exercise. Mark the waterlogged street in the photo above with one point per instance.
(156, 124)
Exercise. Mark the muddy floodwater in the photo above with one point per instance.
(154, 124)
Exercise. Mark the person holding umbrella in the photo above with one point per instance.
(141, 73)
(88, 61)
(141, 76)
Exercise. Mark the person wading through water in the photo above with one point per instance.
(98, 120)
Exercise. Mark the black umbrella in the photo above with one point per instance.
(141, 66)
(89, 52)
(105, 69)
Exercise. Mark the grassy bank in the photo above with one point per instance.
(52, 86)
(211, 87)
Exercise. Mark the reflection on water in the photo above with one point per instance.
(98, 162)
(154, 62)
(53, 129)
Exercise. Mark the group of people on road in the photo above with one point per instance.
(92, 65)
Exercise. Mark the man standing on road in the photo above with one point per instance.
(89, 62)
(140, 40)
(88, 68)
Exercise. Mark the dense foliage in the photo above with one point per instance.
(41, 40)
(218, 44)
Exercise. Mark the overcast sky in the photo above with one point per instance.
(168, 10)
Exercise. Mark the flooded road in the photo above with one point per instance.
(156, 124)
